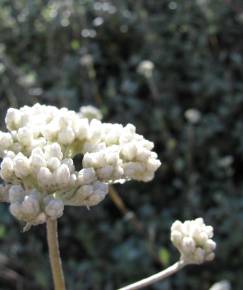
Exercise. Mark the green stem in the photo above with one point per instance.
(54, 255)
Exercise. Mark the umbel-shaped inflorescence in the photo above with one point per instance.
(194, 241)
(38, 154)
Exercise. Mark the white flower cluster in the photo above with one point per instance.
(38, 153)
(194, 241)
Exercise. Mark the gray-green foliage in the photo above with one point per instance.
(71, 53)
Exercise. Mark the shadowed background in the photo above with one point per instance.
(190, 101)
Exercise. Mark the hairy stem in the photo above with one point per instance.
(156, 277)
(54, 255)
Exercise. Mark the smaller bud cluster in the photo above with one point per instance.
(118, 153)
(45, 168)
(31, 207)
(194, 241)
(88, 195)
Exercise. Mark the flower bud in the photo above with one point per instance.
(54, 208)
(66, 136)
(21, 165)
(25, 136)
(13, 118)
(6, 140)
(53, 150)
(53, 163)
(7, 168)
(86, 176)
(62, 175)
(44, 177)
(16, 193)
(30, 206)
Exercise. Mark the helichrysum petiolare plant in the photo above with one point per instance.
(40, 177)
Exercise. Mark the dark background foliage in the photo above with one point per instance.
(76, 52)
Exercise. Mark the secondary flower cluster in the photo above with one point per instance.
(194, 241)
(38, 159)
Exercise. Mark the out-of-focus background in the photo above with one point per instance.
(175, 70)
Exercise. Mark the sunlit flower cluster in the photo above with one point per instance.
(38, 154)
(194, 241)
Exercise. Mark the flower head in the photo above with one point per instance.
(37, 159)
(194, 241)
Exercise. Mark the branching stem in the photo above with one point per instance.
(156, 277)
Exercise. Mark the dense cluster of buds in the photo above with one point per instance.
(194, 241)
(38, 154)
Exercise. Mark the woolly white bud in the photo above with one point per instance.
(21, 165)
(66, 136)
(105, 173)
(53, 150)
(25, 136)
(50, 131)
(54, 208)
(30, 206)
(95, 130)
(69, 163)
(7, 168)
(81, 129)
(62, 175)
(53, 163)
(13, 118)
(86, 176)
(129, 151)
(100, 191)
(16, 193)
(37, 161)
(44, 177)
(6, 140)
